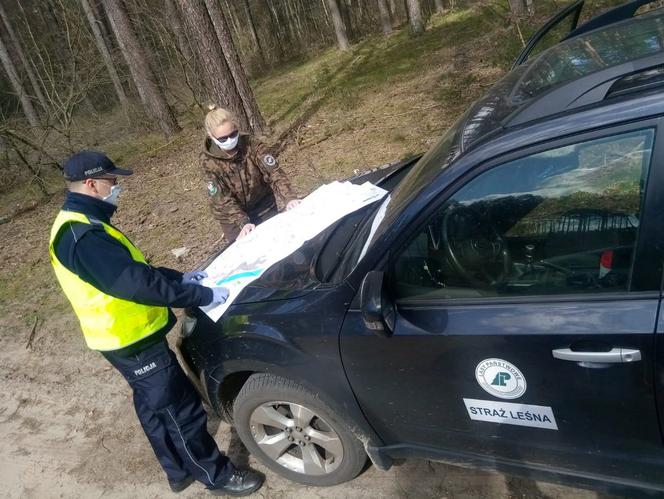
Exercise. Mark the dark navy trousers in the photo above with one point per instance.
(172, 415)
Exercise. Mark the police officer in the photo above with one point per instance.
(244, 181)
(122, 305)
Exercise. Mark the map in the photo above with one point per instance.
(273, 240)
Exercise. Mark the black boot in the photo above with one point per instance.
(181, 485)
(241, 483)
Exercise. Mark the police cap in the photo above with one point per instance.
(90, 164)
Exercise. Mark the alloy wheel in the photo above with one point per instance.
(296, 438)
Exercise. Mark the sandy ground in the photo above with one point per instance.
(68, 429)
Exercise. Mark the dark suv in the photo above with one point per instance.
(498, 308)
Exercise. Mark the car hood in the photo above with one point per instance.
(289, 278)
(295, 275)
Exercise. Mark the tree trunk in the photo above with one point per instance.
(294, 18)
(346, 17)
(439, 5)
(105, 54)
(232, 20)
(325, 11)
(252, 29)
(319, 20)
(254, 116)
(385, 16)
(288, 22)
(27, 65)
(393, 9)
(147, 25)
(17, 85)
(188, 61)
(102, 23)
(339, 27)
(218, 80)
(518, 7)
(276, 32)
(151, 95)
(178, 30)
(398, 11)
(415, 17)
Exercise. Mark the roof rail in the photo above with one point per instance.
(637, 82)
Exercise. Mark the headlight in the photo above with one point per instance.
(188, 325)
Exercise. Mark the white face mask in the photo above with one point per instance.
(112, 198)
(228, 144)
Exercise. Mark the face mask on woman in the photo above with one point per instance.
(229, 142)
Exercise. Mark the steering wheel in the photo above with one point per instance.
(474, 247)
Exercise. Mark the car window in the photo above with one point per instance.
(554, 36)
(556, 222)
(552, 33)
(595, 51)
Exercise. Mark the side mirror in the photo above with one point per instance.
(378, 312)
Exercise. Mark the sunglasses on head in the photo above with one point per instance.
(231, 135)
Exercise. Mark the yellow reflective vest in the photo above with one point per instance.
(108, 323)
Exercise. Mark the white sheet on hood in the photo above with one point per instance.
(247, 259)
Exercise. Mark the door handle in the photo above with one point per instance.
(613, 356)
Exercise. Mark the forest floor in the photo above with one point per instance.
(67, 427)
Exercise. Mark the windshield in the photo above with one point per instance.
(421, 175)
(426, 169)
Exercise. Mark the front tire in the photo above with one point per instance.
(292, 432)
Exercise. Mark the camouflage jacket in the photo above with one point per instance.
(243, 187)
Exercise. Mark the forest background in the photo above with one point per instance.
(135, 77)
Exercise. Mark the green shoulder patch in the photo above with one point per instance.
(212, 189)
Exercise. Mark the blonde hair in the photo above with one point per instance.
(217, 116)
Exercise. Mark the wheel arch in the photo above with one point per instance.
(247, 354)
(231, 384)
(241, 356)
(228, 390)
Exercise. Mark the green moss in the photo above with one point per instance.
(285, 93)
(339, 79)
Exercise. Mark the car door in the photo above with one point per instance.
(564, 25)
(555, 30)
(525, 309)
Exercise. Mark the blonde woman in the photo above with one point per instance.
(244, 181)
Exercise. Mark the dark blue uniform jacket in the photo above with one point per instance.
(99, 259)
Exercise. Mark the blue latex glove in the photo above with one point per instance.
(194, 277)
(219, 296)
